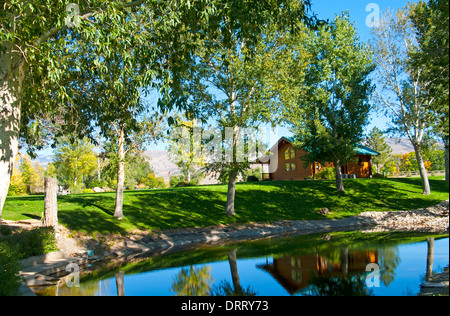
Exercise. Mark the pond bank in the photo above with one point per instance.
(433, 220)
(124, 248)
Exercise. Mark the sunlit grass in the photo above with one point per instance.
(255, 202)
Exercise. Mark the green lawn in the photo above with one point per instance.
(255, 202)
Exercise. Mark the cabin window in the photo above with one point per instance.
(290, 166)
(289, 154)
(360, 161)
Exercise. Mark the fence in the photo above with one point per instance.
(417, 174)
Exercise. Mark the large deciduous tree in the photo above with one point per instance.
(229, 83)
(35, 50)
(401, 89)
(330, 114)
(431, 21)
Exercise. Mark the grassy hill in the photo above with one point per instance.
(255, 202)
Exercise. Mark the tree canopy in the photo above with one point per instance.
(329, 117)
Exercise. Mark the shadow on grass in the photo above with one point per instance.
(177, 208)
(255, 202)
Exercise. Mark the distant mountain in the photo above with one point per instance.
(164, 167)
(401, 145)
(161, 164)
(44, 160)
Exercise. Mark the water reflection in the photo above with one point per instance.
(307, 265)
(327, 274)
(193, 281)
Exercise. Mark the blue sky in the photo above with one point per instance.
(327, 9)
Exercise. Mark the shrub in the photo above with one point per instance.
(252, 179)
(88, 191)
(327, 173)
(184, 184)
(98, 184)
(10, 281)
(378, 176)
(34, 242)
(76, 189)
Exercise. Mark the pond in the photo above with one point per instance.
(341, 263)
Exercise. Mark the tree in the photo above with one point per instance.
(431, 22)
(376, 142)
(18, 186)
(232, 81)
(402, 90)
(75, 160)
(185, 151)
(34, 43)
(330, 114)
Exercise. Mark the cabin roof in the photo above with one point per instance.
(360, 149)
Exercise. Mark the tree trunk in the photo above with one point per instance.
(446, 145)
(11, 80)
(339, 182)
(51, 203)
(422, 170)
(188, 174)
(231, 193)
(120, 284)
(430, 258)
(118, 212)
(234, 271)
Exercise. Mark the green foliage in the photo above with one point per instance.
(98, 184)
(376, 142)
(136, 167)
(17, 186)
(431, 21)
(327, 173)
(153, 182)
(174, 180)
(75, 160)
(30, 243)
(403, 92)
(253, 174)
(9, 271)
(252, 179)
(330, 114)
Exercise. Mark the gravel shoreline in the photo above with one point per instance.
(433, 220)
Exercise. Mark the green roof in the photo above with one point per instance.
(363, 150)
(360, 149)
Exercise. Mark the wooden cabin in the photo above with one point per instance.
(292, 167)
